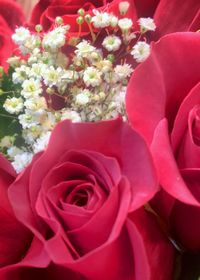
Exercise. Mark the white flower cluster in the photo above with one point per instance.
(86, 84)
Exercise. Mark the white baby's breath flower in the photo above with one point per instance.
(29, 45)
(146, 24)
(21, 160)
(125, 24)
(31, 134)
(104, 65)
(13, 151)
(111, 43)
(123, 71)
(31, 88)
(100, 20)
(36, 70)
(13, 105)
(54, 39)
(28, 120)
(21, 73)
(14, 61)
(42, 142)
(52, 76)
(36, 104)
(92, 77)
(84, 49)
(48, 121)
(83, 97)
(141, 51)
(71, 115)
(70, 76)
(21, 35)
(113, 20)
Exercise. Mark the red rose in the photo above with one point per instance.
(163, 103)
(80, 199)
(11, 16)
(46, 11)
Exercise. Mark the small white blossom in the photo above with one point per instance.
(71, 115)
(36, 104)
(92, 77)
(141, 51)
(21, 160)
(36, 70)
(70, 76)
(21, 73)
(13, 105)
(21, 35)
(123, 71)
(31, 134)
(84, 49)
(14, 61)
(42, 142)
(28, 120)
(13, 151)
(113, 21)
(54, 39)
(48, 121)
(147, 24)
(100, 20)
(125, 24)
(52, 76)
(31, 88)
(111, 43)
(29, 45)
(104, 65)
(83, 97)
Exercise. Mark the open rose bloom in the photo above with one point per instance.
(81, 201)
(166, 110)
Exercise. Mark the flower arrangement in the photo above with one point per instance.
(99, 140)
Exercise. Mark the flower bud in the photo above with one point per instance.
(80, 20)
(123, 7)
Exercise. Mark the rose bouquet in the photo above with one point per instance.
(99, 140)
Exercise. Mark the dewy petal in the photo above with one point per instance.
(168, 80)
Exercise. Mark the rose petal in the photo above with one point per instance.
(182, 17)
(169, 175)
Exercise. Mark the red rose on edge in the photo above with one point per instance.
(80, 199)
(163, 103)
(11, 16)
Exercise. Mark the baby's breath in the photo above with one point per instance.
(85, 83)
